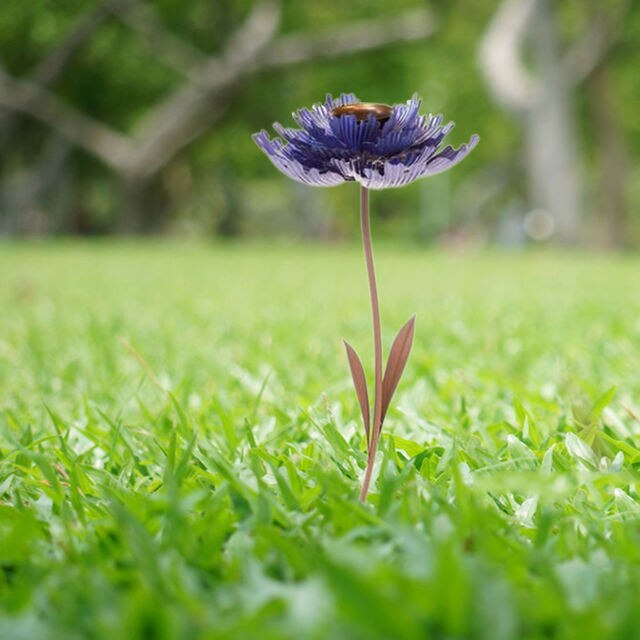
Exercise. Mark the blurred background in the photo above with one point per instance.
(135, 116)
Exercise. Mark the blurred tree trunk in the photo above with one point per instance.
(145, 205)
(543, 98)
(550, 133)
(24, 191)
(310, 207)
(612, 158)
(231, 215)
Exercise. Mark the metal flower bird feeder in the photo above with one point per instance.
(379, 146)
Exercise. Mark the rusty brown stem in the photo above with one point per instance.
(377, 340)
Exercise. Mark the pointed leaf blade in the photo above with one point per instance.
(360, 384)
(398, 357)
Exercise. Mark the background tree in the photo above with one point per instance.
(207, 85)
(136, 115)
(544, 101)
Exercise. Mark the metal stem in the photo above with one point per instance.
(377, 339)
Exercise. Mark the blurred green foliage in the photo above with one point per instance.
(221, 183)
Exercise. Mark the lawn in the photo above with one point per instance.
(181, 451)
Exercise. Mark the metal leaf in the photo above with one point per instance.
(395, 364)
(360, 384)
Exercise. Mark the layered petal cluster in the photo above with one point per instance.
(330, 149)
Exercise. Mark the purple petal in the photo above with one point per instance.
(392, 175)
(449, 157)
(403, 115)
(319, 116)
(293, 168)
(399, 174)
(356, 135)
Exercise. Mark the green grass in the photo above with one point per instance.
(181, 451)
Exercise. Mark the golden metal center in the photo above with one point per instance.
(362, 110)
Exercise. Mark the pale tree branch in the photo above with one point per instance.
(362, 36)
(500, 55)
(190, 110)
(50, 68)
(169, 126)
(27, 97)
(202, 99)
(584, 56)
(501, 51)
(254, 35)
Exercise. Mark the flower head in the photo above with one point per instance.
(377, 145)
